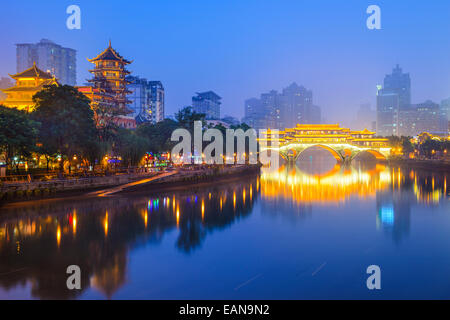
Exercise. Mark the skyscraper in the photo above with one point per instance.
(147, 99)
(255, 116)
(138, 98)
(395, 96)
(156, 100)
(428, 117)
(5, 83)
(294, 105)
(445, 115)
(49, 57)
(399, 83)
(387, 113)
(207, 103)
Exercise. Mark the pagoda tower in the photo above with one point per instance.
(109, 78)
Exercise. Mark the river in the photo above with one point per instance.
(303, 232)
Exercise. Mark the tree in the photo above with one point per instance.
(18, 134)
(68, 126)
(186, 117)
(407, 145)
(158, 135)
(130, 147)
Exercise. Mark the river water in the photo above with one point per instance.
(304, 232)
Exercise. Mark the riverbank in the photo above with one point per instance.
(195, 177)
(435, 165)
(20, 191)
(126, 183)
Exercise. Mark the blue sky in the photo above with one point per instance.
(243, 48)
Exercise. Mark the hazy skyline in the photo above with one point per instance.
(240, 49)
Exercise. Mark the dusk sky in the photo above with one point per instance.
(240, 49)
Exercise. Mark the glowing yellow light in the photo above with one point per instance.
(58, 235)
(105, 223)
(234, 199)
(203, 209)
(178, 216)
(74, 222)
(243, 195)
(209, 196)
(146, 218)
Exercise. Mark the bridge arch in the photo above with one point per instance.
(333, 152)
(378, 155)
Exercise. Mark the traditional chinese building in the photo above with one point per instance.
(109, 86)
(28, 83)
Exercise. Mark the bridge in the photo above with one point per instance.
(342, 143)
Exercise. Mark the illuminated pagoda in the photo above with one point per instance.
(28, 83)
(109, 85)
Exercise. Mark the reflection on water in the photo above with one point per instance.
(39, 240)
(46, 238)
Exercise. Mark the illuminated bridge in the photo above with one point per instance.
(342, 143)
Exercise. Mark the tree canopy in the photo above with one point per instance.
(68, 126)
(18, 134)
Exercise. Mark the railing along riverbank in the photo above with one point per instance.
(22, 190)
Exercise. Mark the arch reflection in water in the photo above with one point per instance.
(334, 186)
(294, 191)
(39, 241)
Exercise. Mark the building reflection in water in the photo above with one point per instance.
(39, 240)
(293, 191)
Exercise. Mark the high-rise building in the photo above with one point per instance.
(147, 99)
(428, 116)
(49, 57)
(207, 103)
(255, 115)
(400, 83)
(296, 104)
(138, 98)
(422, 117)
(156, 100)
(387, 113)
(407, 124)
(275, 110)
(270, 103)
(445, 115)
(5, 83)
(395, 96)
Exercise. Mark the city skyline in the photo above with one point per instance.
(342, 68)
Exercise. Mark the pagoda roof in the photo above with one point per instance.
(33, 72)
(110, 54)
(33, 88)
(365, 131)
